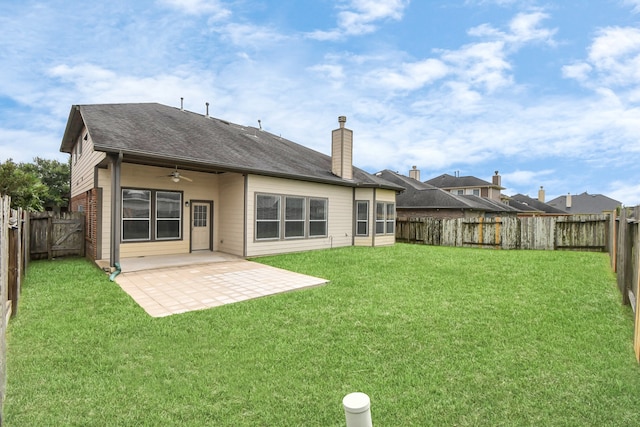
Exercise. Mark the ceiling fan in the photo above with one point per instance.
(177, 176)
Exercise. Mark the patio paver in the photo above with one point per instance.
(179, 289)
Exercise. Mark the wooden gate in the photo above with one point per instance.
(56, 234)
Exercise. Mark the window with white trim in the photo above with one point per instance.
(391, 218)
(294, 217)
(143, 208)
(136, 214)
(385, 218)
(362, 218)
(267, 217)
(168, 215)
(290, 217)
(317, 217)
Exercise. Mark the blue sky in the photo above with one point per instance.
(547, 93)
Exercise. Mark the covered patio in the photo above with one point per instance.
(173, 284)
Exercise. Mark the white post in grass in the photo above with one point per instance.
(357, 409)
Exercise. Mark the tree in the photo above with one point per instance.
(26, 190)
(55, 176)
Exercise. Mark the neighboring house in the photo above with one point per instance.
(531, 206)
(469, 185)
(420, 199)
(159, 180)
(585, 203)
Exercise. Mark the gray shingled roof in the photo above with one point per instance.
(585, 203)
(491, 205)
(420, 195)
(152, 132)
(533, 205)
(449, 181)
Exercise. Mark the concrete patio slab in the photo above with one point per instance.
(177, 289)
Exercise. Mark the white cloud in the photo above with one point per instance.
(408, 76)
(524, 177)
(635, 4)
(360, 17)
(525, 27)
(250, 35)
(332, 73)
(481, 65)
(215, 8)
(94, 84)
(613, 61)
(628, 192)
(578, 71)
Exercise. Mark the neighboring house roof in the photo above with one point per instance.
(585, 203)
(529, 204)
(491, 205)
(157, 134)
(420, 195)
(449, 181)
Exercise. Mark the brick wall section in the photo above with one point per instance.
(87, 203)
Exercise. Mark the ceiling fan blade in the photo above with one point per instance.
(184, 177)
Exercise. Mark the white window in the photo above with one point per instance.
(317, 217)
(385, 218)
(138, 215)
(294, 216)
(362, 218)
(267, 217)
(299, 217)
(391, 218)
(168, 215)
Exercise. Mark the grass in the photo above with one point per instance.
(436, 336)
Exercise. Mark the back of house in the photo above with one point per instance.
(159, 180)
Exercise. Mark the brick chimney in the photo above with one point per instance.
(497, 179)
(541, 194)
(342, 150)
(414, 173)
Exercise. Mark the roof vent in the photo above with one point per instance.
(207, 115)
(181, 104)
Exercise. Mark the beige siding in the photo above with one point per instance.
(231, 214)
(83, 166)
(104, 182)
(340, 215)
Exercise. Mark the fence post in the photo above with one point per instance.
(357, 410)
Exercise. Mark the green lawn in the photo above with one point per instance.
(436, 336)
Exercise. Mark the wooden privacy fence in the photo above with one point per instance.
(13, 232)
(573, 232)
(56, 235)
(625, 259)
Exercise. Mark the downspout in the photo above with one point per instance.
(244, 222)
(375, 213)
(354, 225)
(116, 202)
(118, 270)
